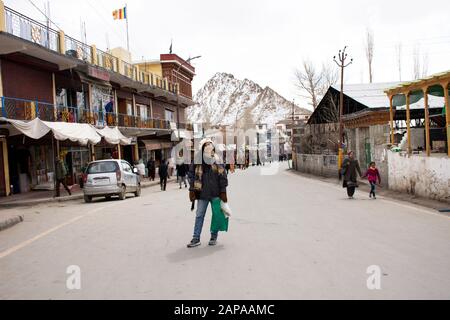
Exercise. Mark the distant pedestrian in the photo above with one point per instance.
(182, 173)
(151, 169)
(163, 173)
(350, 167)
(372, 175)
(61, 173)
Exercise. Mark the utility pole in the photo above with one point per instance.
(342, 57)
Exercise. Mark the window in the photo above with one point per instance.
(169, 115)
(143, 111)
(102, 167)
(126, 167)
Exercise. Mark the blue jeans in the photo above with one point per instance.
(372, 188)
(202, 206)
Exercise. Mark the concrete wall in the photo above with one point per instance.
(420, 175)
(318, 164)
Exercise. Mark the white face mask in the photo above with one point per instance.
(208, 154)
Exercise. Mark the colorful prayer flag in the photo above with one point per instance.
(120, 13)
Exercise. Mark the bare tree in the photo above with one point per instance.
(315, 82)
(424, 65)
(398, 51)
(416, 62)
(369, 48)
(420, 63)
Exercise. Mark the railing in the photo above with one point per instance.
(31, 30)
(107, 61)
(22, 109)
(128, 70)
(78, 49)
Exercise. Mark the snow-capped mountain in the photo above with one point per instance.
(225, 100)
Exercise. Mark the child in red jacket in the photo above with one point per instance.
(372, 175)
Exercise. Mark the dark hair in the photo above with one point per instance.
(372, 163)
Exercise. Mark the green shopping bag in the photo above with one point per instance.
(218, 221)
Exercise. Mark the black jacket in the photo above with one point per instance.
(213, 183)
(182, 170)
(163, 169)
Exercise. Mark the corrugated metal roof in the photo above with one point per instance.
(373, 95)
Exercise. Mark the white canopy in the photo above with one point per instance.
(36, 129)
(113, 136)
(77, 132)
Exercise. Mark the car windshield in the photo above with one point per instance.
(102, 167)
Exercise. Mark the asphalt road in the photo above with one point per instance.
(290, 237)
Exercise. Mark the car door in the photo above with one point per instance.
(131, 177)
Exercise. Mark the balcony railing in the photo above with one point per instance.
(78, 49)
(107, 61)
(36, 32)
(22, 109)
(26, 28)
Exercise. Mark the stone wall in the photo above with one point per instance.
(318, 164)
(420, 175)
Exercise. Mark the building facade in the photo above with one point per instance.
(48, 75)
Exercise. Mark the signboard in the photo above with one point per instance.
(98, 73)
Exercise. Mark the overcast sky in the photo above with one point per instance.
(264, 40)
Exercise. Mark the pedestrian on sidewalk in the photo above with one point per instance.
(372, 175)
(61, 173)
(163, 173)
(181, 173)
(208, 182)
(350, 167)
(151, 169)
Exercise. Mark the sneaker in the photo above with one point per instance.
(370, 195)
(194, 243)
(212, 241)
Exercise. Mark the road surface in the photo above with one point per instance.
(290, 237)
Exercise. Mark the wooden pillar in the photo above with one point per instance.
(391, 117)
(427, 121)
(408, 123)
(4, 146)
(2, 17)
(119, 151)
(92, 152)
(61, 42)
(136, 152)
(447, 115)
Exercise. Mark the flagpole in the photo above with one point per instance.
(126, 18)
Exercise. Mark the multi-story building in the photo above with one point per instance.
(48, 75)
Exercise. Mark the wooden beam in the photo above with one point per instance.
(427, 122)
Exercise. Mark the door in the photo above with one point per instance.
(129, 176)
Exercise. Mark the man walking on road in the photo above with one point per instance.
(350, 167)
(61, 173)
(163, 172)
(208, 181)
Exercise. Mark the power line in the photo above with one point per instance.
(32, 3)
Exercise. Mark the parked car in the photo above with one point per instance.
(107, 178)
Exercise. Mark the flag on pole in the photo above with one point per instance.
(120, 13)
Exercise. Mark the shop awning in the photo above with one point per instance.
(113, 136)
(76, 132)
(82, 133)
(34, 129)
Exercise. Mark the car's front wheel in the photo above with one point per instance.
(87, 199)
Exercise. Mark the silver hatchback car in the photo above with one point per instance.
(106, 178)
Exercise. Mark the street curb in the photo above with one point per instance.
(60, 199)
(10, 222)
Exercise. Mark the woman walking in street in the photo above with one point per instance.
(350, 167)
(208, 182)
(163, 172)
